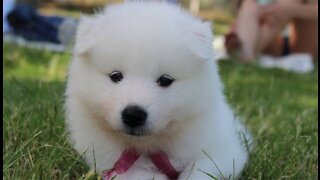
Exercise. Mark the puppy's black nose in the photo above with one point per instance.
(134, 116)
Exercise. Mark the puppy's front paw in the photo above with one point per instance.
(194, 175)
(139, 174)
(194, 172)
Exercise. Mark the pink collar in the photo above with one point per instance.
(129, 157)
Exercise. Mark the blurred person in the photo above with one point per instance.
(277, 28)
(174, 1)
(8, 5)
(24, 21)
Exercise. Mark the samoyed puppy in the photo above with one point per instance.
(144, 99)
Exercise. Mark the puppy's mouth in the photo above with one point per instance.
(135, 132)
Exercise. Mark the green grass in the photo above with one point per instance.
(280, 108)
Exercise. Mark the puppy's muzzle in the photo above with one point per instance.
(134, 118)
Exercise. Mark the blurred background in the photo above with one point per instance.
(220, 11)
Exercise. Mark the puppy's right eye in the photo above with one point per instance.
(116, 76)
(165, 80)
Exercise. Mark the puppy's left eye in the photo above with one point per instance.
(116, 76)
(165, 80)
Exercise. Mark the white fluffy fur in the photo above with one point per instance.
(144, 41)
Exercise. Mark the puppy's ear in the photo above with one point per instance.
(84, 34)
(201, 43)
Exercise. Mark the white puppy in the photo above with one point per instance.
(143, 80)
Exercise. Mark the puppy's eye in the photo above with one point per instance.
(116, 76)
(165, 80)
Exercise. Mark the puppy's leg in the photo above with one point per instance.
(201, 170)
(136, 173)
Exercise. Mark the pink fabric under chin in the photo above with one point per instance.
(125, 161)
(161, 161)
(129, 157)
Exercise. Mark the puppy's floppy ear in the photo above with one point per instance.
(84, 34)
(201, 43)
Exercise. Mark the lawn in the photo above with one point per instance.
(280, 108)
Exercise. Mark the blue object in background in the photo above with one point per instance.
(25, 22)
(173, 1)
(7, 7)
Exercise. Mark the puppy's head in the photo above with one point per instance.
(144, 69)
